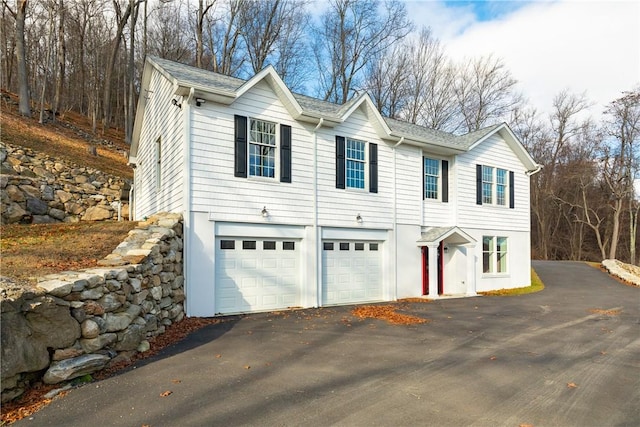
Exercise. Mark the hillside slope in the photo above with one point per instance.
(69, 138)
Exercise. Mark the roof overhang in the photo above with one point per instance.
(451, 235)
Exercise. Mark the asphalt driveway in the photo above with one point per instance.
(566, 356)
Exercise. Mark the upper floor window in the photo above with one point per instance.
(494, 254)
(431, 177)
(435, 179)
(355, 163)
(262, 148)
(494, 186)
(258, 144)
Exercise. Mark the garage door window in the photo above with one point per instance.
(269, 245)
(373, 246)
(359, 246)
(327, 246)
(288, 246)
(344, 246)
(248, 244)
(227, 244)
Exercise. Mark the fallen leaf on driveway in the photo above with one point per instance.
(247, 367)
(218, 356)
(572, 385)
(493, 358)
(525, 425)
(165, 393)
(176, 381)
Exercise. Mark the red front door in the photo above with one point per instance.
(425, 269)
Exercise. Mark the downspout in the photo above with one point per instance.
(131, 194)
(394, 268)
(317, 252)
(186, 197)
(535, 171)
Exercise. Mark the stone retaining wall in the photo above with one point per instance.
(36, 188)
(78, 322)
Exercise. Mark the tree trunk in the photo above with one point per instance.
(62, 47)
(115, 45)
(131, 96)
(23, 81)
(615, 233)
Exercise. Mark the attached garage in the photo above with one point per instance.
(351, 272)
(254, 274)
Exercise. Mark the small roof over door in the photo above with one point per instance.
(450, 235)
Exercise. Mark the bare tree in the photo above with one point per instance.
(61, 59)
(387, 80)
(621, 164)
(203, 9)
(485, 91)
(19, 16)
(168, 32)
(273, 32)
(352, 33)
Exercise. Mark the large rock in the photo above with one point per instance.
(91, 345)
(14, 193)
(76, 367)
(130, 338)
(52, 324)
(13, 213)
(37, 206)
(96, 213)
(20, 352)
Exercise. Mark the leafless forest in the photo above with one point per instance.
(87, 55)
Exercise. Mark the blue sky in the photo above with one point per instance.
(486, 10)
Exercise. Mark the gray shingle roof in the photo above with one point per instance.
(186, 75)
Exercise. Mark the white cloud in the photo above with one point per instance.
(582, 46)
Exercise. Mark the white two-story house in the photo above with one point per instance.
(289, 201)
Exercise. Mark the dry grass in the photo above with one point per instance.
(40, 249)
(64, 142)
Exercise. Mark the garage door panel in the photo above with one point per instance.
(256, 279)
(351, 273)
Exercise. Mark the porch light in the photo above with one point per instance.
(200, 101)
(264, 212)
(359, 219)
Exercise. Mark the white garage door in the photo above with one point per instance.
(351, 272)
(256, 275)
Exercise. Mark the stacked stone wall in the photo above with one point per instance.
(75, 323)
(36, 188)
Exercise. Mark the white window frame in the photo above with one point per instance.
(438, 178)
(490, 185)
(495, 260)
(255, 143)
(364, 161)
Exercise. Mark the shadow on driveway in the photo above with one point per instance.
(565, 356)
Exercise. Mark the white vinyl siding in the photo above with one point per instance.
(227, 198)
(408, 184)
(494, 151)
(338, 207)
(159, 187)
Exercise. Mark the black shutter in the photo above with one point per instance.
(373, 168)
(512, 193)
(478, 184)
(424, 180)
(445, 181)
(285, 153)
(240, 155)
(340, 162)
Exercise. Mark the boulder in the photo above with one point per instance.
(13, 213)
(20, 352)
(37, 206)
(97, 213)
(130, 338)
(90, 329)
(52, 324)
(75, 367)
(91, 345)
(14, 193)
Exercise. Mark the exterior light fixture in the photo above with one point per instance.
(175, 103)
(359, 219)
(264, 212)
(200, 101)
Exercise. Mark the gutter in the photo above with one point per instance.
(534, 171)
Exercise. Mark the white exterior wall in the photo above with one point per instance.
(435, 212)
(339, 207)
(161, 120)
(408, 185)
(217, 191)
(492, 152)
(408, 260)
(518, 260)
